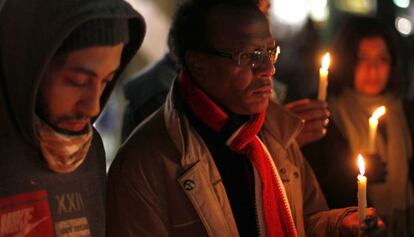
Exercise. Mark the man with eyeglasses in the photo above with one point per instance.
(146, 92)
(220, 158)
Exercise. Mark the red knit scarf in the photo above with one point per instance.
(277, 215)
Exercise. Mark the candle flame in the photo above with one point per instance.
(378, 113)
(361, 164)
(326, 60)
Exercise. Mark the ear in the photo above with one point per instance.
(194, 61)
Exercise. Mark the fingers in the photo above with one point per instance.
(370, 212)
(297, 104)
(312, 131)
(373, 226)
(306, 104)
(315, 125)
(309, 110)
(316, 116)
(381, 224)
(350, 225)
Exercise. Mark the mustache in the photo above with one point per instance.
(260, 83)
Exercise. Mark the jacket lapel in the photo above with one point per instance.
(200, 191)
(200, 180)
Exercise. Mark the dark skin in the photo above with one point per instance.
(350, 226)
(315, 115)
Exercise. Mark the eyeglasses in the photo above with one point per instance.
(252, 59)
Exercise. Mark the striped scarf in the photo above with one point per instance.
(277, 216)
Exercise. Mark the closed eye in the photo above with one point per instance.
(76, 82)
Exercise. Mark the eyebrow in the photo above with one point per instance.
(88, 72)
(250, 44)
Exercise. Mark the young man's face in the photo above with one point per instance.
(69, 94)
(240, 89)
(373, 67)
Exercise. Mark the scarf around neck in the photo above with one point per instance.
(63, 153)
(276, 211)
(394, 199)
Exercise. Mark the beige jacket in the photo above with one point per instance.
(164, 181)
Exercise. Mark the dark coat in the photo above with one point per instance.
(146, 92)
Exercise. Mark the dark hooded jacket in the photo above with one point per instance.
(35, 201)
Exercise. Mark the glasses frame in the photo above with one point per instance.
(237, 56)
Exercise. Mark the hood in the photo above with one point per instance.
(2, 2)
(31, 32)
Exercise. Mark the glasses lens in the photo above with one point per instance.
(274, 54)
(244, 59)
(257, 57)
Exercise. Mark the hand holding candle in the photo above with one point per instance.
(373, 124)
(362, 189)
(323, 77)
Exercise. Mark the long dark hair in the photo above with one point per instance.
(345, 52)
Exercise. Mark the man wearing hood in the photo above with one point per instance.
(59, 62)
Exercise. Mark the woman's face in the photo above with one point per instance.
(373, 66)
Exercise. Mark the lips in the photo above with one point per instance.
(263, 91)
(74, 125)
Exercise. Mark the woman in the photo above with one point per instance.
(364, 77)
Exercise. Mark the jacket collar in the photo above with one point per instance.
(282, 125)
(199, 171)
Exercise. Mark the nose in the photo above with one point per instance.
(374, 70)
(266, 69)
(90, 104)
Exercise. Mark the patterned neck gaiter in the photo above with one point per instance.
(62, 152)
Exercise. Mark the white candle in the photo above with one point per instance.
(362, 189)
(323, 77)
(373, 125)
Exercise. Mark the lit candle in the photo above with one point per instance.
(373, 124)
(362, 189)
(323, 77)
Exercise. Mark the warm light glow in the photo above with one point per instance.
(356, 6)
(318, 10)
(293, 12)
(361, 164)
(378, 113)
(326, 60)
